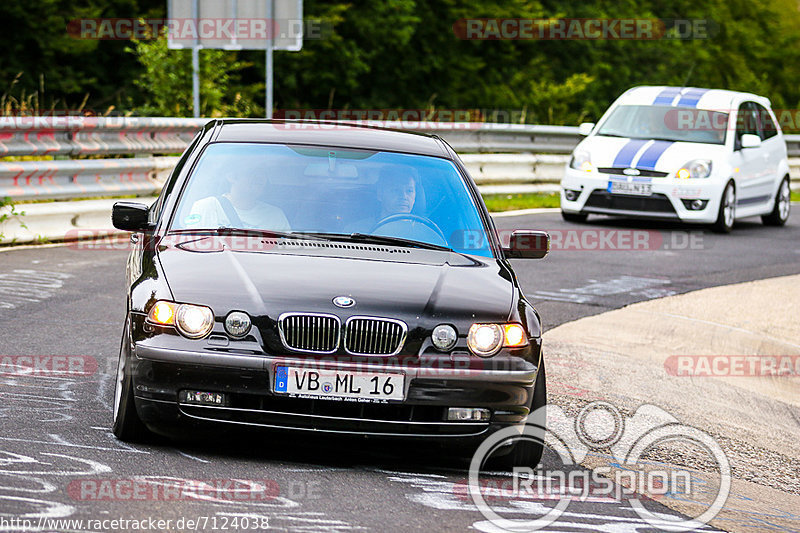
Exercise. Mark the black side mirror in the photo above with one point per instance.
(130, 216)
(526, 244)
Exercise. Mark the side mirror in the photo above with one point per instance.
(750, 141)
(130, 216)
(527, 244)
(586, 128)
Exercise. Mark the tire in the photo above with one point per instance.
(782, 206)
(127, 426)
(526, 452)
(574, 217)
(726, 215)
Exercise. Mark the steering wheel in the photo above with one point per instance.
(412, 217)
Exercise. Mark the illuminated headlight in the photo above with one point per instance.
(485, 340)
(162, 313)
(695, 169)
(237, 324)
(581, 161)
(193, 321)
(444, 337)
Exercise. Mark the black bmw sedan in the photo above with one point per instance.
(310, 276)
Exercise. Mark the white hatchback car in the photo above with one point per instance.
(681, 153)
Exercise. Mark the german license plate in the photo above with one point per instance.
(339, 384)
(635, 188)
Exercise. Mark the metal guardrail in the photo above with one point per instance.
(542, 150)
(83, 178)
(73, 136)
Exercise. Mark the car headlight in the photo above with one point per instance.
(193, 321)
(237, 324)
(581, 161)
(695, 169)
(485, 340)
(444, 337)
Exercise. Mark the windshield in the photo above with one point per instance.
(666, 123)
(332, 191)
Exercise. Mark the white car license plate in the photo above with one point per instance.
(624, 187)
(339, 384)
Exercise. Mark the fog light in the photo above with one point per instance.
(203, 398)
(694, 205)
(571, 195)
(468, 413)
(444, 337)
(237, 324)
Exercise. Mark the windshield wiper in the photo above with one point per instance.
(379, 239)
(383, 239)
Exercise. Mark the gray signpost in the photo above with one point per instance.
(235, 25)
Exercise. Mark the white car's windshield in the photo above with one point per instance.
(666, 123)
(333, 191)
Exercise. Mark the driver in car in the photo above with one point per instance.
(397, 192)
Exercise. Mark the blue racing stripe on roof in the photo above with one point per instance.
(666, 96)
(691, 97)
(650, 156)
(628, 152)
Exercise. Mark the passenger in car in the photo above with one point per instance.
(240, 207)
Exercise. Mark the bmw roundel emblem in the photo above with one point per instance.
(343, 301)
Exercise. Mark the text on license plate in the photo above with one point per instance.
(625, 187)
(339, 384)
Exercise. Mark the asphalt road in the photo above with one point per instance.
(58, 458)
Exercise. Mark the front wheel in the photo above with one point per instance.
(780, 211)
(727, 210)
(127, 425)
(574, 217)
(527, 452)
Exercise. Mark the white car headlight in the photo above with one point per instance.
(194, 321)
(581, 161)
(485, 340)
(695, 169)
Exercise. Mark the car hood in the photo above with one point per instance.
(388, 281)
(662, 156)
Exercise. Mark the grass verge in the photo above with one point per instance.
(511, 202)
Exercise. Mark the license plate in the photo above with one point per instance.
(339, 384)
(636, 188)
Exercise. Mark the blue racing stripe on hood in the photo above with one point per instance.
(666, 96)
(691, 97)
(628, 152)
(650, 156)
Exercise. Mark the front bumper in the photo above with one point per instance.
(664, 204)
(504, 385)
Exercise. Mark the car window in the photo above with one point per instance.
(332, 190)
(667, 123)
(746, 122)
(768, 127)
